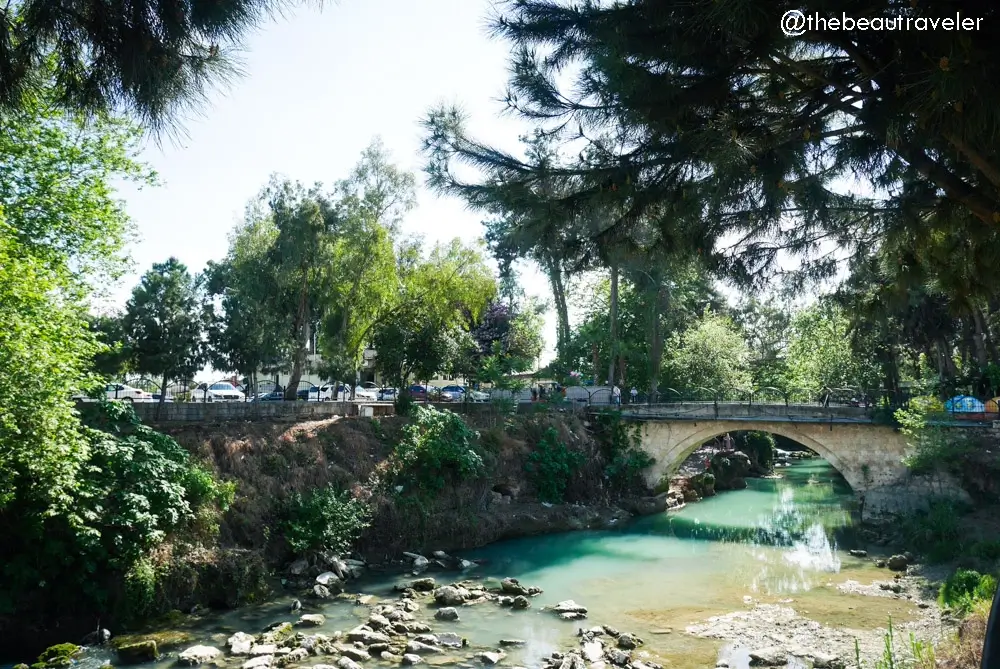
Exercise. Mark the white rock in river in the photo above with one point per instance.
(259, 662)
(240, 643)
(593, 651)
(315, 619)
(450, 640)
(768, 657)
(410, 659)
(353, 652)
(327, 577)
(263, 649)
(447, 613)
(347, 663)
(491, 657)
(198, 655)
(418, 648)
(569, 606)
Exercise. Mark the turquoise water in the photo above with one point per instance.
(779, 538)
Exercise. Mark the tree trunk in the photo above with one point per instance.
(163, 396)
(562, 310)
(983, 330)
(656, 342)
(299, 355)
(595, 355)
(613, 346)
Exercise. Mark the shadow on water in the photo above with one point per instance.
(808, 505)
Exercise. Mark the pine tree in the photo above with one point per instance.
(151, 58)
(704, 118)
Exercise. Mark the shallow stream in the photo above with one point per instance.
(782, 540)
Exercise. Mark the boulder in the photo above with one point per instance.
(593, 651)
(353, 652)
(414, 627)
(422, 584)
(347, 663)
(292, 657)
(264, 649)
(647, 506)
(451, 640)
(321, 591)
(619, 657)
(377, 622)
(366, 636)
(138, 652)
(897, 563)
(364, 600)
(328, 578)
(730, 469)
(196, 655)
(450, 595)
(420, 563)
(857, 553)
(298, 567)
(388, 656)
(572, 615)
(504, 600)
(768, 657)
(259, 662)
(628, 641)
(409, 605)
(511, 586)
(521, 602)
(277, 634)
(312, 619)
(512, 642)
(569, 606)
(240, 643)
(447, 613)
(418, 648)
(491, 657)
(411, 659)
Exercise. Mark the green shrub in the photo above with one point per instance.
(551, 465)
(437, 448)
(325, 519)
(759, 446)
(936, 532)
(965, 587)
(621, 446)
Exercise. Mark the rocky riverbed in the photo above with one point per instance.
(414, 623)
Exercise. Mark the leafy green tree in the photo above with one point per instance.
(244, 330)
(61, 231)
(112, 360)
(154, 59)
(820, 355)
(363, 278)
(164, 326)
(710, 353)
(765, 326)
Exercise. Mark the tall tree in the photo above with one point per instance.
(246, 334)
(363, 279)
(61, 231)
(709, 120)
(710, 354)
(163, 322)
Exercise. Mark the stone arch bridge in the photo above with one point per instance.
(868, 455)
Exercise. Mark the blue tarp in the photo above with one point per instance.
(964, 404)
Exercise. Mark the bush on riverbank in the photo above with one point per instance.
(325, 519)
(138, 489)
(965, 587)
(551, 466)
(759, 447)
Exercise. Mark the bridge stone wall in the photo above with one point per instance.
(869, 456)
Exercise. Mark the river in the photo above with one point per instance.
(780, 541)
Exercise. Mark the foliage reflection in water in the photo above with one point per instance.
(776, 538)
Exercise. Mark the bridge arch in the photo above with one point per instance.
(690, 444)
(868, 456)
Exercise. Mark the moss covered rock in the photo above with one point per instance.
(60, 655)
(138, 652)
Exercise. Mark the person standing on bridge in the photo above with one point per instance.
(616, 395)
(635, 394)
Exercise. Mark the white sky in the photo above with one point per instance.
(318, 86)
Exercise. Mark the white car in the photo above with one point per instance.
(459, 393)
(326, 393)
(223, 391)
(387, 395)
(119, 391)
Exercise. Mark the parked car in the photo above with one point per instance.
(421, 392)
(168, 398)
(119, 391)
(222, 391)
(365, 394)
(273, 396)
(387, 394)
(370, 385)
(460, 392)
